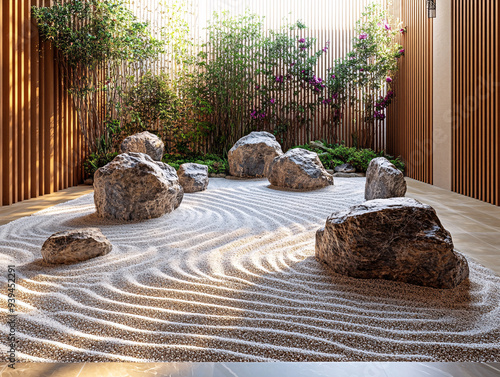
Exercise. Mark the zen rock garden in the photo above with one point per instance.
(387, 237)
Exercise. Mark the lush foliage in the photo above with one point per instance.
(96, 160)
(338, 154)
(151, 103)
(289, 91)
(242, 80)
(221, 89)
(88, 36)
(215, 163)
(357, 79)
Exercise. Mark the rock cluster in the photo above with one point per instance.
(299, 169)
(384, 180)
(144, 142)
(71, 246)
(193, 177)
(397, 239)
(134, 187)
(252, 155)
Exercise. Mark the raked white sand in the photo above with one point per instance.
(231, 276)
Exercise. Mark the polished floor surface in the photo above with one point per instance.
(253, 370)
(474, 225)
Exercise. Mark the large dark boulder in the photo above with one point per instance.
(76, 245)
(299, 169)
(193, 177)
(252, 155)
(134, 187)
(384, 180)
(144, 142)
(395, 239)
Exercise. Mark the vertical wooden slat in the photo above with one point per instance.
(475, 99)
(409, 124)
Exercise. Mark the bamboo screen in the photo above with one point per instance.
(476, 99)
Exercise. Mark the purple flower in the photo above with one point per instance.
(272, 100)
(361, 70)
(263, 115)
(388, 79)
(292, 64)
(302, 48)
(363, 36)
(257, 87)
(402, 51)
(387, 26)
(302, 40)
(402, 30)
(333, 76)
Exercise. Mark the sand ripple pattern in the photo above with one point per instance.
(231, 276)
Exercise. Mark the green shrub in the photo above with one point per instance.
(338, 154)
(215, 163)
(97, 160)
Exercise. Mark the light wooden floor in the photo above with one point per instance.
(27, 207)
(474, 225)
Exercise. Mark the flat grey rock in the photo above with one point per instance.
(349, 175)
(345, 168)
(71, 246)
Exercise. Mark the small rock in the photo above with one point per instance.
(345, 168)
(299, 169)
(349, 175)
(397, 239)
(144, 142)
(134, 187)
(76, 245)
(384, 180)
(89, 181)
(319, 145)
(252, 155)
(193, 177)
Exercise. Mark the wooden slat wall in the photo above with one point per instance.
(40, 147)
(409, 124)
(476, 99)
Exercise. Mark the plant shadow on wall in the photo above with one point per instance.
(126, 76)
